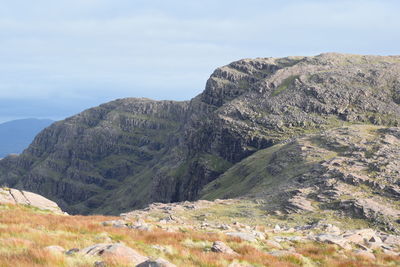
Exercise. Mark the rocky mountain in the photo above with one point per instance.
(16, 135)
(305, 132)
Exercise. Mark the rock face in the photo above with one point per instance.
(14, 196)
(131, 152)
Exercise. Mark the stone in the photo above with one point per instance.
(332, 229)
(392, 240)
(156, 263)
(277, 228)
(72, 251)
(333, 239)
(117, 251)
(99, 264)
(115, 223)
(221, 247)
(374, 242)
(273, 244)
(359, 236)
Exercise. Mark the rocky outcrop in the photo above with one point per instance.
(131, 152)
(14, 196)
(351, 170)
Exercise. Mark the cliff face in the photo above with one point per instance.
(130, 152)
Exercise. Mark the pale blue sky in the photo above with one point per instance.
(59, 57)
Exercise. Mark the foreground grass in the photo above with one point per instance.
(25, 232)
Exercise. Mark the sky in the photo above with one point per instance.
(58, 58)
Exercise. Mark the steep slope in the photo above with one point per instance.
(131, 152)
(16, 135)
(90, 154)
(354, 170)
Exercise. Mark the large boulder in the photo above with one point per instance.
(15, 196)
(117, 251)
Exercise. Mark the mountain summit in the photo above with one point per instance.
(305, 132)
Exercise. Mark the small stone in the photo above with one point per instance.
(99, 264)
(72, 251)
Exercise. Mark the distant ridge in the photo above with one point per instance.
(16, 135)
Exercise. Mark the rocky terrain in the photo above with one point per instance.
(231, 232)
(295, 161)
(131, 152)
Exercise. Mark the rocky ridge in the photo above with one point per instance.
(130, 152)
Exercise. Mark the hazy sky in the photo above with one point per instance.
(59, 57)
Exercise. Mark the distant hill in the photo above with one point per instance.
(16, 135)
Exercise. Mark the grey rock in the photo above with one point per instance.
(156, 263)
(117, 251)
(221, 247)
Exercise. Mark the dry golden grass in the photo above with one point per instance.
(24, 233)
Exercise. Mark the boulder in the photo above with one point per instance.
(221, 247)
(273, 244)
(156, 263)
(14, 196)
(333, 239)
(117, 251)
(359, 236)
